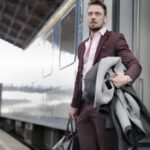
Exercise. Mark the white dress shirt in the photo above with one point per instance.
(90, 51)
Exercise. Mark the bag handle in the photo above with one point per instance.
(69, 124)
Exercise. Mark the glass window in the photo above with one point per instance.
(48, 55)
(67, 47)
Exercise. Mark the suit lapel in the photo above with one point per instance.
(82, 55)
(101, 43)
(82, 51)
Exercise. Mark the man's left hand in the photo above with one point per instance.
(120, 79)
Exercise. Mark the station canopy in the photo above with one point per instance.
(20, 20)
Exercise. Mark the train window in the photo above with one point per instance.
(67, 47)
(48, 55)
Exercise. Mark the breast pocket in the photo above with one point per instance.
(107, 51)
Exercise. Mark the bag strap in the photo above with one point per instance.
(69, 124)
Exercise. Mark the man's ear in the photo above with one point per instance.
(105, 19)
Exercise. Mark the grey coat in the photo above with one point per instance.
(101, 90)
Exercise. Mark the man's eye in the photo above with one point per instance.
(89, 14)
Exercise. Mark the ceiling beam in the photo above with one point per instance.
(18, 21)
(11, 38)
(26, 22)
(5, 27)
(13, 18)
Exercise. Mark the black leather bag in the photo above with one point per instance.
(69, 141)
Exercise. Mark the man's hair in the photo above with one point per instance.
(100, 3)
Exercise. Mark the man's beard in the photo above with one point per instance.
(95, 29)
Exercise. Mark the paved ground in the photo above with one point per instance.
(9, 143)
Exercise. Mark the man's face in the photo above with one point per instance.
(96, 17)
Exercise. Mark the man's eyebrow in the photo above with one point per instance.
(95, 12)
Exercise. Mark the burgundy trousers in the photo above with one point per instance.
(92, 131)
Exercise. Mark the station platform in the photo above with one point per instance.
(7, 142)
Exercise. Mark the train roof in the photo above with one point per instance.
(20, 20)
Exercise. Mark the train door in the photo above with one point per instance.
(142, 44)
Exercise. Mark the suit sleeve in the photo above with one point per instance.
(128, 59)
(78, 84)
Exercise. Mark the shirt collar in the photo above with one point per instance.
(102, 31)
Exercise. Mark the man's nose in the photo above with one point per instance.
(93, 16)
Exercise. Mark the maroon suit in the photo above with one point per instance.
(91, 124)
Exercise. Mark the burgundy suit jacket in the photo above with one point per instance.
(110, 44)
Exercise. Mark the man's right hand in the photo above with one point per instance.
(73, 112)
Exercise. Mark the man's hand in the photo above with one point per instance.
(120, 80)
(73, 112)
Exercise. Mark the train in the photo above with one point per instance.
(37, 83)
